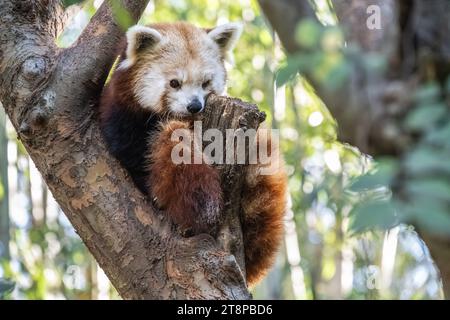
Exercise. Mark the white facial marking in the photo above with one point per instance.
(181, 98)
(208, 68)
(172, 61)
(150, 89)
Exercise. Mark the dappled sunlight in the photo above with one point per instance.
(347, 232)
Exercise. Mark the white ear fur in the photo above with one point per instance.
(140, 37)
(226, 36)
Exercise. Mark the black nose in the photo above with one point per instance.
(195, 106)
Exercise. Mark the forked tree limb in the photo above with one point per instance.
(50, 95)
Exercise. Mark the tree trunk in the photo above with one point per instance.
(50, 95)
(370, 106)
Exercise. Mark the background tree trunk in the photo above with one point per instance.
(50, 96)
(364, 105)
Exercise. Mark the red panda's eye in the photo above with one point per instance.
(175, 84)
(206, 84)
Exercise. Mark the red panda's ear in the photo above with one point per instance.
(226, 35)
(140, 38)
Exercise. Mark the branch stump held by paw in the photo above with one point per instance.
(224, 113)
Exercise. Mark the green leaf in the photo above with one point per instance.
(432, 188)
(425, 116)
(6, 286)
(337, 76)
(285, 74)
(330, 69)
(428, 93)
(381, 176)
(291, 68)
(121, 15)
(439, 136)
(332, 39)
(373, 215)
(308, 33)
(435, 221)
(427, 213)
(447, 85)
(425, 159)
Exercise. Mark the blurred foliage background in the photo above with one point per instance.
(327, 252)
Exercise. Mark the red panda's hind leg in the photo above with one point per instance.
(189, 193)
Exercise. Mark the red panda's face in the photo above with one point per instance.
(175, 66)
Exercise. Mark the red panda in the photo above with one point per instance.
(163, 77)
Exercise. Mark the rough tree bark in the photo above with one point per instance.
(369, 108)
(50, 95)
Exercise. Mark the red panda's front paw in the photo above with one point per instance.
(191, 196)
(170, 127)
(189, 193)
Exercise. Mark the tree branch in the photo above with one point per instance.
(49, 95)
(226, 114)
(361, 89)
(284, 17)
(94, 52)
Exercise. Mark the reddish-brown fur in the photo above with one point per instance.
(264, 205)
(184, 190)
(190, 194)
